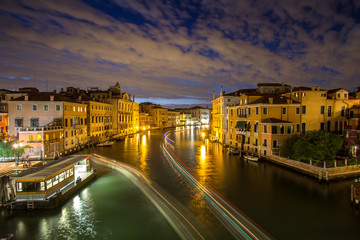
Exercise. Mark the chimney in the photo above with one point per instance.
(271, 100)
(80, 97)
(133, 98)
(221, 91)
(214, 94)
(282, 84)
(289, 101)
(318, 88)
(52, 98)
(313, 88)
(26, 98)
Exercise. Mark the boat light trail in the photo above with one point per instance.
(240, 225)
(182, 226)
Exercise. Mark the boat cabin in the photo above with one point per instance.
(58, 176)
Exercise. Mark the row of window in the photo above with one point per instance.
(73, 108)
(43, 186)
(35, 107)
(242, 112)
(274, 144)
(101, 119)
(100, 108)
(75, 121)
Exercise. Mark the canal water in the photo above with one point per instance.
(111, 207)
(286, 204)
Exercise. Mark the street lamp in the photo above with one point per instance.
(17, 147)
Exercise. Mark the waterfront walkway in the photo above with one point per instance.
(9, 168)
(326, 174)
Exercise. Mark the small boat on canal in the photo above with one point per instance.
(251, 158)
(105, 144)
(233, 151)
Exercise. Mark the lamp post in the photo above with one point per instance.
(17, 147)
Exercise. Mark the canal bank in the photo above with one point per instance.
(320, 173)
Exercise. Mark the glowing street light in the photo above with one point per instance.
(17, 147)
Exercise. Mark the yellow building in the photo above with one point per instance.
(322, 109)
(219, 121)
(173, 118)
(262, 122)
(160, 117)
(257, 114)
(99, 124)
(146, 121)
(75, 126)
(125, 115)
(136, 117)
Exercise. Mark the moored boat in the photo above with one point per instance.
(251, 158)
(105, 144)
(234, 151)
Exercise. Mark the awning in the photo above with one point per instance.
(240, 124)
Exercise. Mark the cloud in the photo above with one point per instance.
(145, 45)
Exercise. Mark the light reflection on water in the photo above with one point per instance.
(112, 207)
(279, 200)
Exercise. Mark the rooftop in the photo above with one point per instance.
(44, 96)
(50, 169)
(277, 99)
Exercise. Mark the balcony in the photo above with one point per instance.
(242, 132)
(352, 115)
(38, 129)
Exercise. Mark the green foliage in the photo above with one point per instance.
(7, 149)
(315, 145)
(286, 149)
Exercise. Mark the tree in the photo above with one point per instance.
(314, 145)
(286, 149)
(6, 149)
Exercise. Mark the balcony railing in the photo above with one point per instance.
(37, 129)
(353, 115)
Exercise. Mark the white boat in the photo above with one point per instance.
(105, 144)
(234, 151)
(251, 158)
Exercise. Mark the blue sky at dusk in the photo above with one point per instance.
(178, 52)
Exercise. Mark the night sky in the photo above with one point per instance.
(178, 52)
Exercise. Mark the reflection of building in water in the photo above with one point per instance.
(144, 151)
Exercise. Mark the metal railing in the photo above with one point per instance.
(37, 129)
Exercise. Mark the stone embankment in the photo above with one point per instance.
(323, 174)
